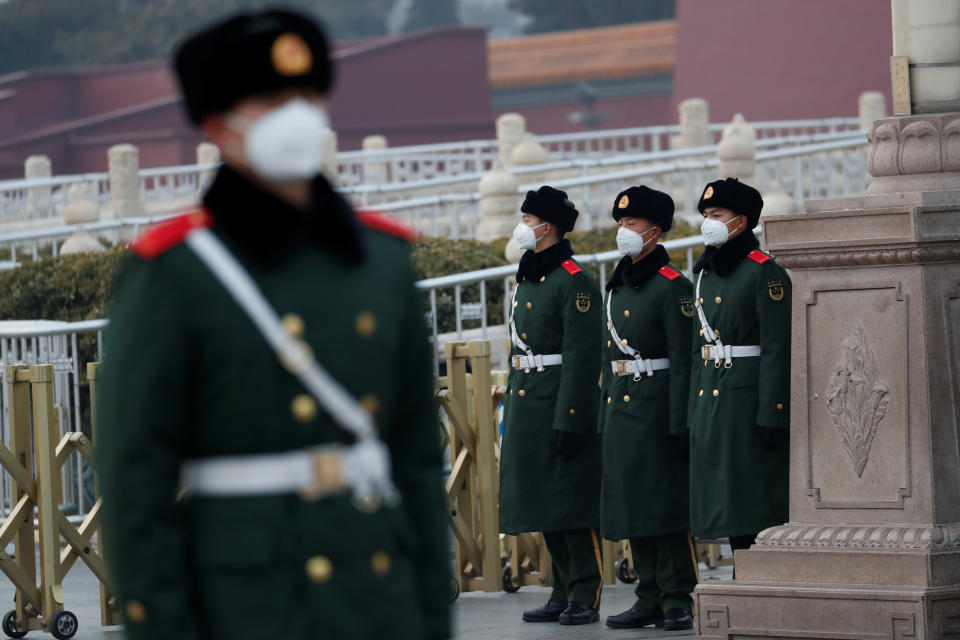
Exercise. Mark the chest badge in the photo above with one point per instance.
(775, 289)
(583, 302)
(686, 307)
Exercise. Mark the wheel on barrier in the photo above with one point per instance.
(624, 573)
(510, 583)
(454, 589)
(10, 625)
(63, 625)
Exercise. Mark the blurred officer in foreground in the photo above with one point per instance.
(643, 414)
(268, 442)
(740, 384)
(550, 455)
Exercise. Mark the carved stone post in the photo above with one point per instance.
(872, 549)
(374, 172)
(81, 210)
(499, 204)
(207, 153)
(737, 150)
(511, 128)
(38, 198)
(694, 125)
(330, 168)
(872, 107)
(123, 165)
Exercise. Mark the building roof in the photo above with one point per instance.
(625, 51)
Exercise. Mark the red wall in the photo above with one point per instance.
(780, 59)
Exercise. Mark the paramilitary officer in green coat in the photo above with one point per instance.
(643, 414)
(291, 523)
(740, 384)
(550, 455)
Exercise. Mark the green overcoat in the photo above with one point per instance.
(187, 375)
(645, 480)
(557, 311)
(738, 484)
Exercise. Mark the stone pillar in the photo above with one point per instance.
(207, 153)
(375, 172)
(737, 150)
(499, 204)
(872, 548)
(528, 152)
(82, 209)
(123, 166)
(330, 167)
(511, 128)
(928, 34)
(871, 107)
(694, 125)
(38, 198)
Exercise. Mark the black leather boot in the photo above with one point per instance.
(579, 613)
(549, 612)
(631, 619)
(677, 620)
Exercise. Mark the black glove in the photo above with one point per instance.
(679, 447)
(772, 439)
(568, 444)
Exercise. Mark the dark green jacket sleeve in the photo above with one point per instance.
(415, 448)
(677, 327)
(774, 313)
(576, 409)
(142, 433)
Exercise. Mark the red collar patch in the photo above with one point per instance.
(386, 224)
(667, 272)
(571, 267)
(759, 257)
(165, 235)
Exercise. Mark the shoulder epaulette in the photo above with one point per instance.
(386, 224)
(669, 273)
(759, 256)
(571, 267)
(164, 236)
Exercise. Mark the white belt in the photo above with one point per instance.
(726, 353)
(637, 368)
(525, 363)
(313, 473)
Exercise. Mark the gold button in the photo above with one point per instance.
(779, 405)
(609, 343)
(365, 324)
(716, 392)
(510, 392)
(543, 278)
(626, 398)
(706, 362)
(701, 332)
(303, 407)
(716, 332)
(380, 563)
(573, 412)
(521, 393)
(701, 300)
(718, 299)
(319, 568)
(370, 403)
(609, 399)
(529, 305)
(624, 341)
(700, 395)
(515, 303)
(626, 313)
(523, 335)
(293, 324)
(136, 612)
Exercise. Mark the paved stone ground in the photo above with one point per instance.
(477, 615)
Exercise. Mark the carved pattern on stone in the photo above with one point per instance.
(910, 255)
(862, 537)
(914, 145)
(856, 398)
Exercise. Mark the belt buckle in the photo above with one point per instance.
(327, 479)
(516, 363)
(705, 353)
(621, 367)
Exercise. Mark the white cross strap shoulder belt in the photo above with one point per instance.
(531, 360)
(639, 365)
(721, 354)
(369, 466)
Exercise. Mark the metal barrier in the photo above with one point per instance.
(35, 472)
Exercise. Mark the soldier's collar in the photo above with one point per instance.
(637, 274)
(267, 227)
(725, 259)
(535, 265)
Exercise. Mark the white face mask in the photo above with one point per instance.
(287, 142)
(631, 243)
(715, 233)
(525, 237)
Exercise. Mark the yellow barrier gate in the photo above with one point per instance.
(40, 607)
